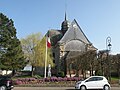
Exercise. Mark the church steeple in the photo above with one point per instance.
(64, 26)
(65, 17)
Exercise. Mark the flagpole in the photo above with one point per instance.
(45, 58)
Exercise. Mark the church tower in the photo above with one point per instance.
(65, 25)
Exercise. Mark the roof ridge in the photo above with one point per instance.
(81, 31)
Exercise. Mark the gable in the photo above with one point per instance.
(74, 32)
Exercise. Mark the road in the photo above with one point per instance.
(53, 88)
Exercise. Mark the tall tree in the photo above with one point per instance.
(34, 49)
(115, 64)
(41, 52)
(28, 44)
(85, 62)
(11, 55)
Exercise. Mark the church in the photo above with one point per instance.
(67, 43)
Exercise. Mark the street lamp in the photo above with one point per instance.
(108, 48)
(108, 43)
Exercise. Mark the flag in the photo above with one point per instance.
(48, 45)
(48, 42)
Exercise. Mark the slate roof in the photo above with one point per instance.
(74, 39)
(55, 36)
(75, 45)
(74, 32)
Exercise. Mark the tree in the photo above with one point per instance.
(40, 51)
(86, 61)
(91, 57)
(28, 44)
(115, 63)
(34, 48)
(104, 59)
(11, 54)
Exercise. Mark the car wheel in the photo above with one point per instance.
(83, 87)
(106, 87)
(3, 88)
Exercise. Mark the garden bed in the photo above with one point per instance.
(51, 82)
(48, 84)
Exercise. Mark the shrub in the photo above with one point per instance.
(53, 79)
(59, 79)
(99, 73)
(60, 74)
(17, 82)
(21, 81)
(37, 76)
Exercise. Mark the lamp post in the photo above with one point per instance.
(108, 43)
(108, 48)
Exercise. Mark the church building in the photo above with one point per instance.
(68, 42)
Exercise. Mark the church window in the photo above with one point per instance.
(54, 55)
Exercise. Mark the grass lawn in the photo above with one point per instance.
(115, 80)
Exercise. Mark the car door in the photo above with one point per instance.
(90, 83)
(95, 83)
(99, 82)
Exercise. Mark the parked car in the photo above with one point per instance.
(6, 83)
(93, 82)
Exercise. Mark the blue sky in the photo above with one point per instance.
(97, 18)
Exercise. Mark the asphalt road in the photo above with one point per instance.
(52, 88)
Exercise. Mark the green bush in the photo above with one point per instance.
(60, 74)
(37, 76)
(99, 73)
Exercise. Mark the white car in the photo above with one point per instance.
(93, 82)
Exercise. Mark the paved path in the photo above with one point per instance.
(53, 88)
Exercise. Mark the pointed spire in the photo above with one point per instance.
(65, 16)
(64, 26)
